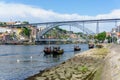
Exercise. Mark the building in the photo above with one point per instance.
(115, 33)
(118, 28)
(38, 31)
(33, 33)
(10, 23)
(5, 29)
(108, 34)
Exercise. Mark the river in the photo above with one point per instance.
(18, 62)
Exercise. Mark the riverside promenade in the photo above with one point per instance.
(111, 69)
(94, 64)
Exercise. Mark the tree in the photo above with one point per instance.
(13, 36)
(101, 36)
(2, 23)
(109, 38)
(90, 36)
(25, 32)
(114, 39)
(25, 22)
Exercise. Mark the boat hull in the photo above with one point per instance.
(91, 46)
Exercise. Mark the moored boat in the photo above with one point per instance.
(54, 50)
(77, 48)
(91, 46)
(57, 50)
(47, 50)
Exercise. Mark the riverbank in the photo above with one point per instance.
(18, 43)
(37, 43)
(111, 69)
(83, 66)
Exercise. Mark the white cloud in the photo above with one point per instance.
(114, 14)
(21, 12)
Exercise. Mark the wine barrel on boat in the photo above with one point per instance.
(47, 50)
(57, 50)
(54, 50)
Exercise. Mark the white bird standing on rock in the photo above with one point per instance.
(18, 60)
(31, 57)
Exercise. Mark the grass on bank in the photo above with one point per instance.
(98, 73)
(101, 51)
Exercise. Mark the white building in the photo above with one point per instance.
(5, 29)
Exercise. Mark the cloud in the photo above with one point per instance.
(113, 14)
(22, 12)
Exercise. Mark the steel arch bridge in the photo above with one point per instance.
(74, 24)
(77, 25)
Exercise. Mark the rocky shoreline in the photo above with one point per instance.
(83, 66)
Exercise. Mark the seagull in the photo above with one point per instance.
(18, 60)
(31, 57)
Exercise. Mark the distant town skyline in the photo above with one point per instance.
(47, 11)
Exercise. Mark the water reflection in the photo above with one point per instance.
(75, 52)
(52, 58)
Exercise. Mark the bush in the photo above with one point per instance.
(99, 46)
(83, 69)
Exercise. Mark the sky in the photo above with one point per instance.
(36, 11)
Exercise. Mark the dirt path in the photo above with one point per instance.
(111, 70)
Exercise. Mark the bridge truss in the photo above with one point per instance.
(78, 23)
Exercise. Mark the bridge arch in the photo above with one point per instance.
(77, 25)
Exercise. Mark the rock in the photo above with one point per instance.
(57, 79)
(62, 76)
(68, 75)
(52, 72)
(76, 76)
(45, 74)
(41, 78)
(73, 78)
(55, 76)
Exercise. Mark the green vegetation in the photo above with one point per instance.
(101, 51)
(25, 32)
(25, 22)
(13, 36)
(83, 69)
(99, 46)
(60, 33)
(101, 37)
(98, 73)
(57, 33)
(91, 37)
(110, 39)
(2, 23)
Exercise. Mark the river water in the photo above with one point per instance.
(18, 62)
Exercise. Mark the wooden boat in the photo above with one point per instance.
(99, 46)
(57, 50)
(91, 46)
(47, 50)
(77, 48)
(61, 51)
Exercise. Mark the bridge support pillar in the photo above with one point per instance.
(83, 27)
(97, 28)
